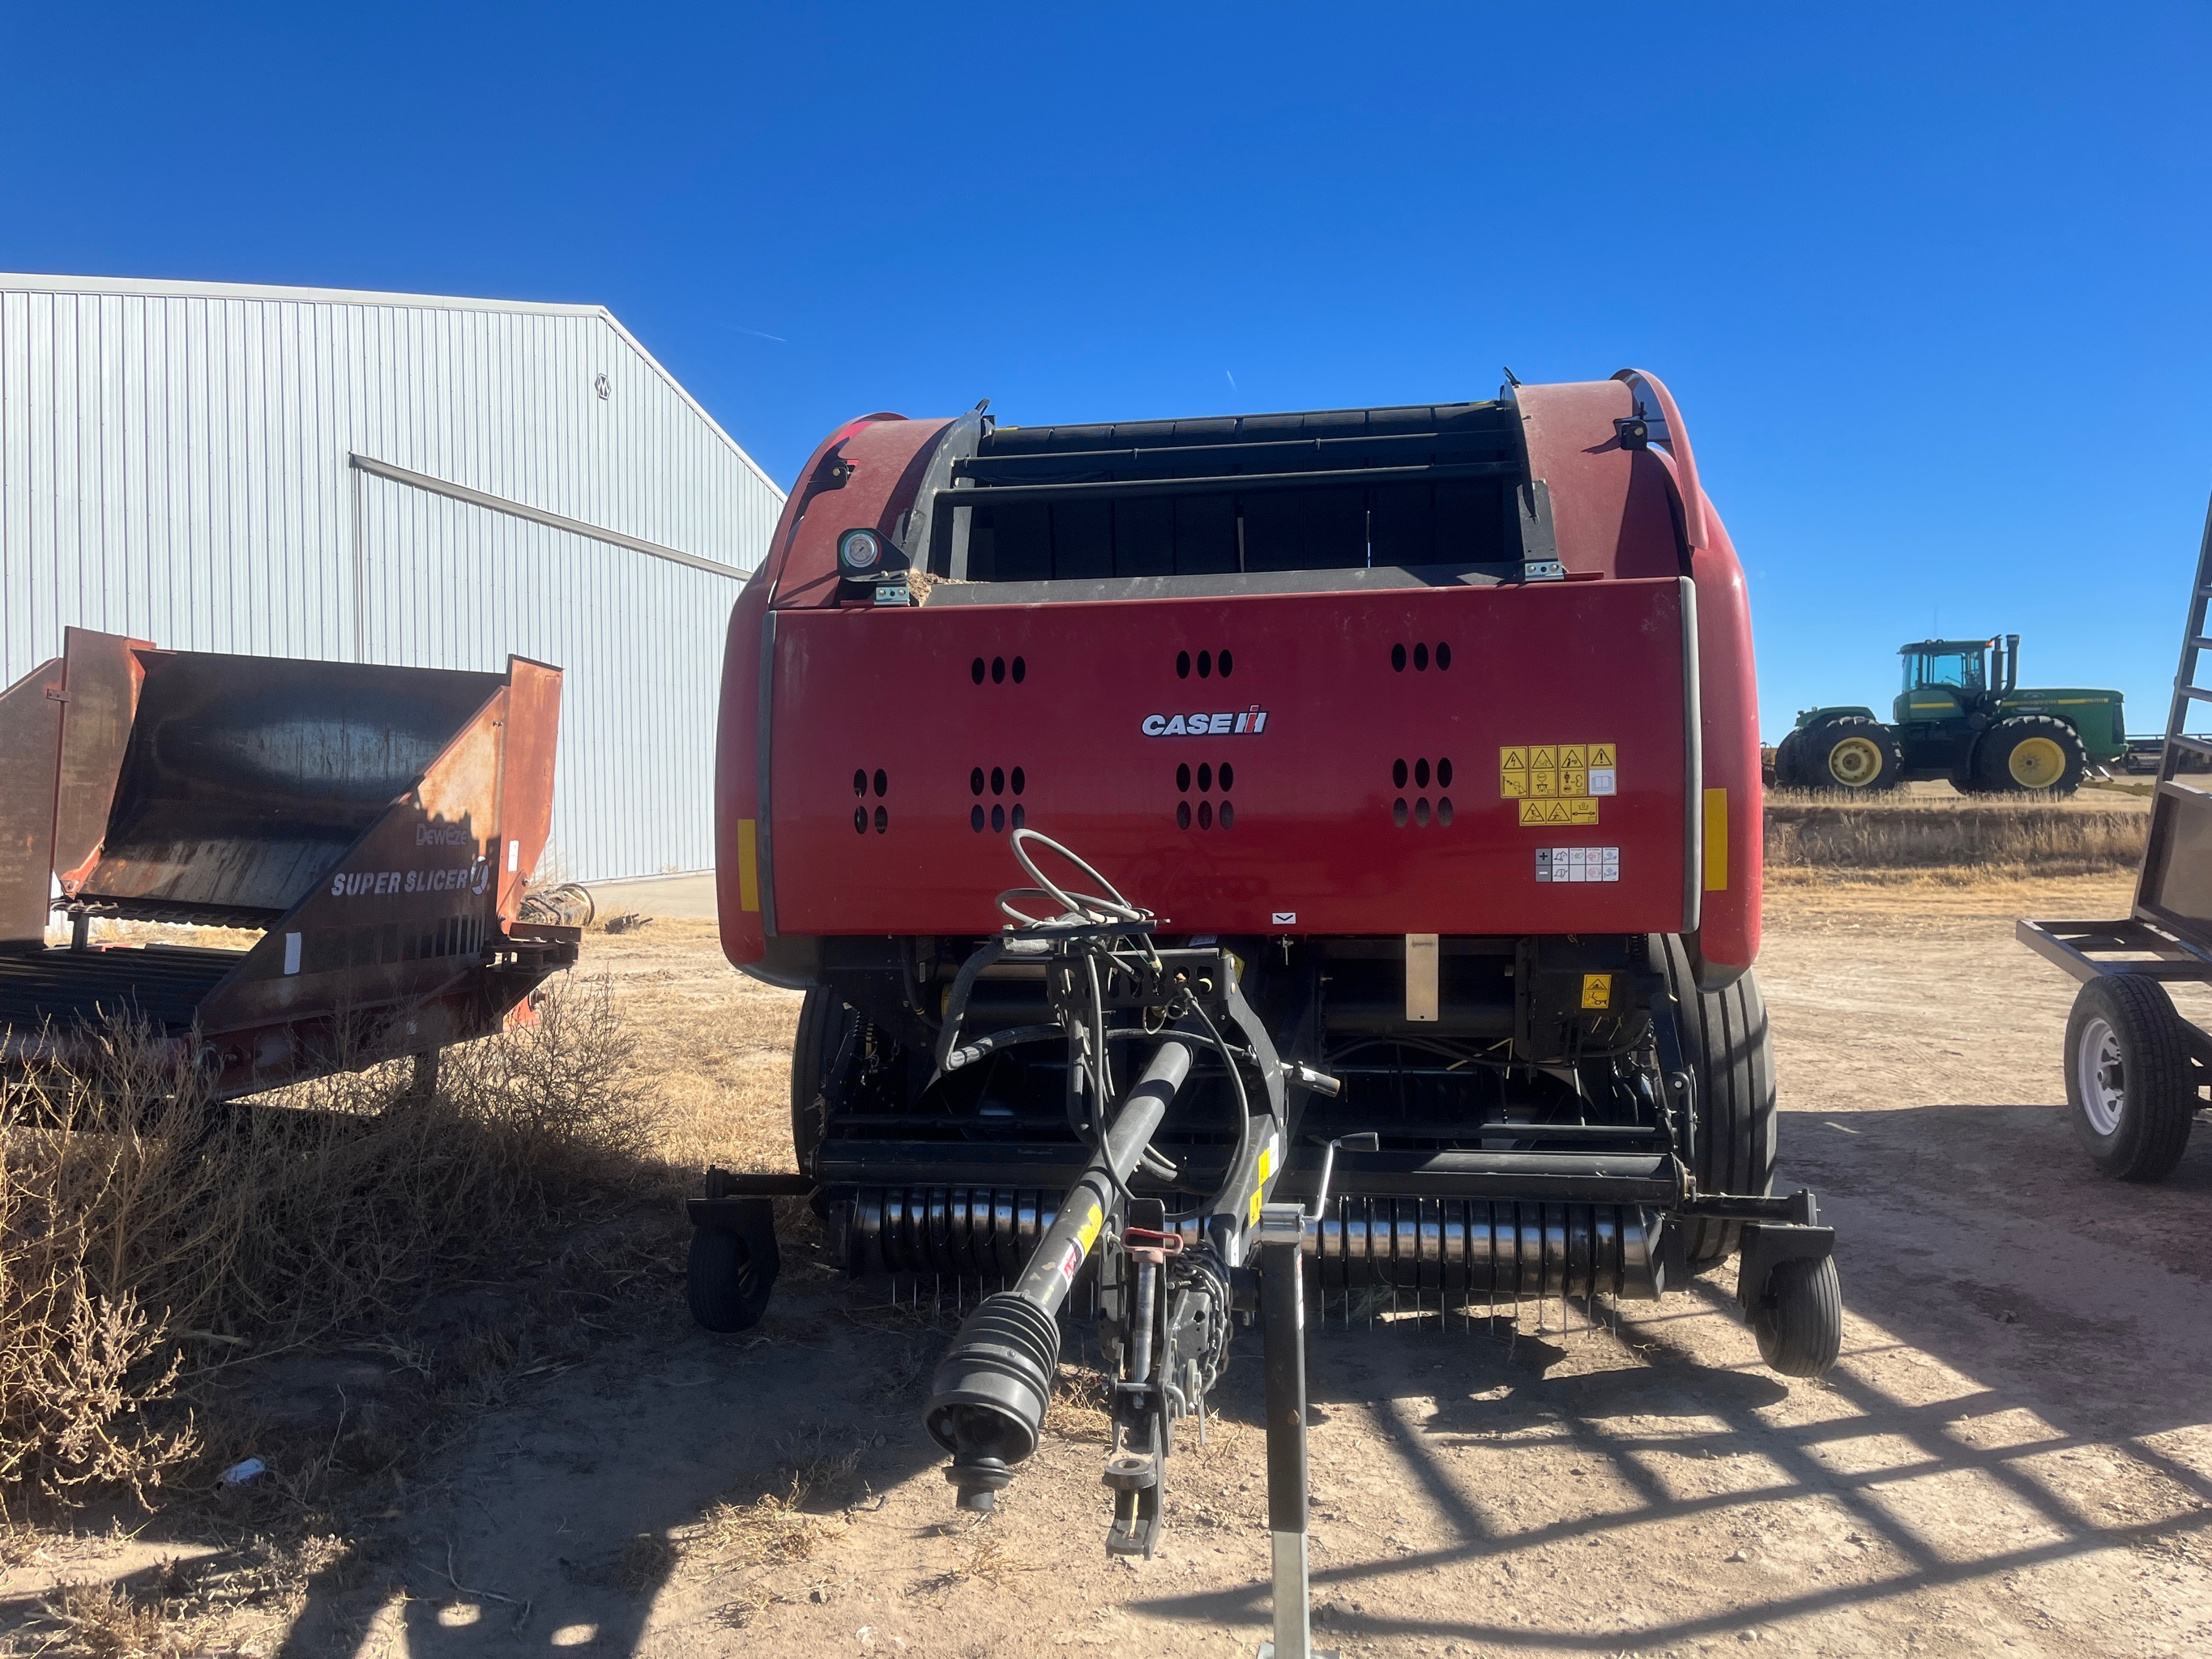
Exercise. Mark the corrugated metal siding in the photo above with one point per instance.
(173, 464)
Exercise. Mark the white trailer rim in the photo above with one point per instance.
(2102, 1073)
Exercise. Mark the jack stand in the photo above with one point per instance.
(1283, 1339)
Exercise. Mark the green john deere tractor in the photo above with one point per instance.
(1960, 716)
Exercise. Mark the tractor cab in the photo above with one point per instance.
(1952, 680)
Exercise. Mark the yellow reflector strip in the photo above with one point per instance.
(1717, 841)
(748, 863)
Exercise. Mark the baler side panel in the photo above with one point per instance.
(1734, 874)
(1610, 507)
(30, 761)
(1315, 847)
(741, 855)
(888, 456)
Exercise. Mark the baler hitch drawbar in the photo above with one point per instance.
(1165, 1298)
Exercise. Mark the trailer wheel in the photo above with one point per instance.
(726, 1287)
(1852, 753)
(1799, 1322)
(2031, 754)
(2130, 1076)
(1730, 1055)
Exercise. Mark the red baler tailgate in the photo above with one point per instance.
(1099, 724)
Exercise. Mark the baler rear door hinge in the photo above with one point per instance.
(1540, 542)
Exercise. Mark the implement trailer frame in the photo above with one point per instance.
(376, 826)
(2136, 1068)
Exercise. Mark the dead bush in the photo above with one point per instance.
(147, 1231)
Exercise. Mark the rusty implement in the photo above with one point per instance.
(376, 826)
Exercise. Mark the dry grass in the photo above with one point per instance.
(776, 1527)
(147, 1234)
(1081, 1408)
(1977, 838)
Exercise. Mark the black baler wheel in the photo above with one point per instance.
(723, 1283)
(823, 1016)
(1799, 1321)
(1852, 753)
(1730, 1055)
(2031, 754)
(2129, 1077)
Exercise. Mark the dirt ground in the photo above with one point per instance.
(2014, 1454)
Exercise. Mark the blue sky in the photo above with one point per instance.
(1929, 282)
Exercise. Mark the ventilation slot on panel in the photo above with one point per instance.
(999, 670)
(1420, 658)
(1205, 665)
(1422, 810)
(865, 781)
(1208, 778)
(999, 783)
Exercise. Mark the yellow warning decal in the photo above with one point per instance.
(1572, 777)
(1089, 1234)
(1597, 990)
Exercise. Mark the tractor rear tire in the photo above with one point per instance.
(1799, 1322)
(1853, 754)
(1730, 1052)
(2130, 1076)
(2031, 754)
(1786, 758)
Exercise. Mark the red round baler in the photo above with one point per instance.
(1418, 750)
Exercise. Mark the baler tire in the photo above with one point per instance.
(821, 1016)
(722, 1285)
(2135, 1122)
(1799, 1321)
(1994, 763)
(1822, 742)
(1729, 1051)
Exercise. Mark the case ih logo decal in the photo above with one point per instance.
(1250, 723)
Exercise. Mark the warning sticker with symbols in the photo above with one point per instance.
(1558, 782)
(1555, 811)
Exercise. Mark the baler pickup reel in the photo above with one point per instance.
(1165, 1295)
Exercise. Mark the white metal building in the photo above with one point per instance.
(388, 477)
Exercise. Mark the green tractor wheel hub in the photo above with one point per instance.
(1855, 763)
